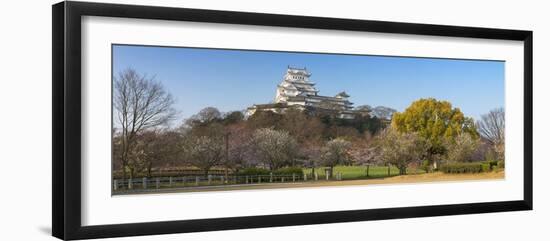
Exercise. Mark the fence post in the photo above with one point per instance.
(327, 174)
(209, 179)
(271, 177)
(246, 180)
(305, 177)
(197, 180)
(144, 183)
(170, 181)
(130, 186)
(223, 182)
(282, 179)
(115, 184)
(158, 183)
(293, 177)
(259, 179)
(316, 177)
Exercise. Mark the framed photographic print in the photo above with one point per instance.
(170, 120)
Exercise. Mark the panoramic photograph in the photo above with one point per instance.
(202, 119)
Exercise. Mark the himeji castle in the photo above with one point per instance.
(296, 90)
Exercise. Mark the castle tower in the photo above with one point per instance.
(295, 83)
(296, 90)
(343, 96)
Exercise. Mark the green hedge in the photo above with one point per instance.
(253, 171)
(471, 167)
(426, 165)
(171, 173)
(289, 171)
(485, 167)
(492, 164)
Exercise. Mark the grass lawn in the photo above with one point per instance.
(360, 172)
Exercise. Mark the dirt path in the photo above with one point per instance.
(428, 177)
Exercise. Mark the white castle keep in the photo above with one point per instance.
(296, 90)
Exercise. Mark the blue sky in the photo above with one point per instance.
(235, 79)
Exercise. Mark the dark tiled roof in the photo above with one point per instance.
(273, 105)
(343, 94)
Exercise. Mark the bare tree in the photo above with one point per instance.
(491, 127)
(363, 152)
(301, 126)
(140, 103)
(237, 146)
(400, 149)
(205, 116)
(336, 152)
(274, 148)
(310, 154)
(462, 148)
(204, 152)
(160, 147)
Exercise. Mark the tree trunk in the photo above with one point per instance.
(124, 164)
(124, 154)
(226, 154)
(123, 170)
(131, 173)
(130, 180)
(149, 167)
(226, 174)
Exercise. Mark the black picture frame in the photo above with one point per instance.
(66, 127)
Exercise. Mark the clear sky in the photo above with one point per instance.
(235, 79)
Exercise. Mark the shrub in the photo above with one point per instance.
(425, 165)
(253, 171)
(500, 164)
(458, 167)
(485, 167)
(289, 171)
(492, 164)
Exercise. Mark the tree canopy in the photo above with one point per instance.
(435, 121)
(274, 149)
(462, 148)
(400, 149)
(336, 152)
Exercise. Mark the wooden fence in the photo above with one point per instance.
(212, 180)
